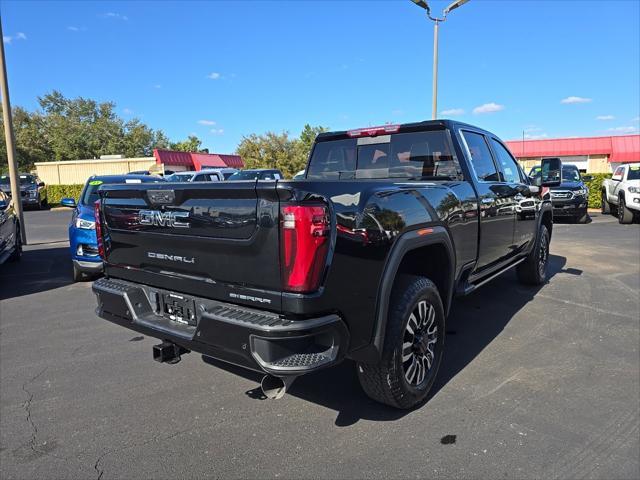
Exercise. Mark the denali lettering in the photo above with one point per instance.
(164, 219)
(249, 297)
(171, 258)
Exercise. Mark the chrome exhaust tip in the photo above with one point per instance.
(275, 387)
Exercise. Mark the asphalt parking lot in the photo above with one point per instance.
(535, 384)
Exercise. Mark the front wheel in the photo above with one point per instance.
(413, 346)
(17, 246)
(583, 218)
(78, 275)
(605, 207)
(533, 271)
(624, 214)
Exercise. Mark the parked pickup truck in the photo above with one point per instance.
(621, 193)
(359, 260)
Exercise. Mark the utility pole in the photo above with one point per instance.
(434, 99)
(9, 140)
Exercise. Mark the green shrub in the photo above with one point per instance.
(595, 188)
(55, 193)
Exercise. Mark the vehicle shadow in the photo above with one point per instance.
(473, 323)
(40, 269)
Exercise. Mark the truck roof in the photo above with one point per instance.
(398, 128)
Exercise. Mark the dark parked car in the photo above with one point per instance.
(360, 260)
(570, 199)
(10, 239)
(257, 174)
(33, 191)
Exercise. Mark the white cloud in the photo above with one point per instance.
(635, 119)
(127, 111)
(8, 39)
(573, 99)
(73, 28)
(453, 112)
(157, 85)
(605, 117)
(217, 131)
(214, 76)
(629, 129)
(535, 136)
(206, 122)
(117, 16)
(488, 108)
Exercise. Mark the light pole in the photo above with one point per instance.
(436, 21)
(9, 142)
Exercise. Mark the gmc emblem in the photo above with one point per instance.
(157, 218)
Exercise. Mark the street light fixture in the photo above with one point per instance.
(423, 4)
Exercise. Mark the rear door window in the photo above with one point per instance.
(481, 159)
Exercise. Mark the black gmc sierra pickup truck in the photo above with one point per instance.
(359, 260)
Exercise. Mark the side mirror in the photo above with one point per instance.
(41, 184)
(587, 178)
(68, 202)
(551, 175)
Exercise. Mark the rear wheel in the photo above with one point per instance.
(533, 271)
(624, 214)
(413, 346)
(605, 207)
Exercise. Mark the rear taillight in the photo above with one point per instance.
(304, 246)
(96, 212)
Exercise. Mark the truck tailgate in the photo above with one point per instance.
(210, 233)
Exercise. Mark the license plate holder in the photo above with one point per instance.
(179, 308)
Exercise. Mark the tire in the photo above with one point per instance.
(78, 276)
(605, 207)
(404, 376)
(17, 249)
(533, 271)
(624, 214)
(583, 218)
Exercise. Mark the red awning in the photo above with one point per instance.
(197, 161)
(623, 148)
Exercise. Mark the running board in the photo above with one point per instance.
(467, 288)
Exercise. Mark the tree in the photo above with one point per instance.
(78, 128)
(191, 144)
(273, 150)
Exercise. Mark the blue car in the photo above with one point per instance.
(82, 229)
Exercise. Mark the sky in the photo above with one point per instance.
(226, 69)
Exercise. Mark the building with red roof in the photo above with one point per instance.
(589, 154)
(180, 161)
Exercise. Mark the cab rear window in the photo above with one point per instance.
(416, 155)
